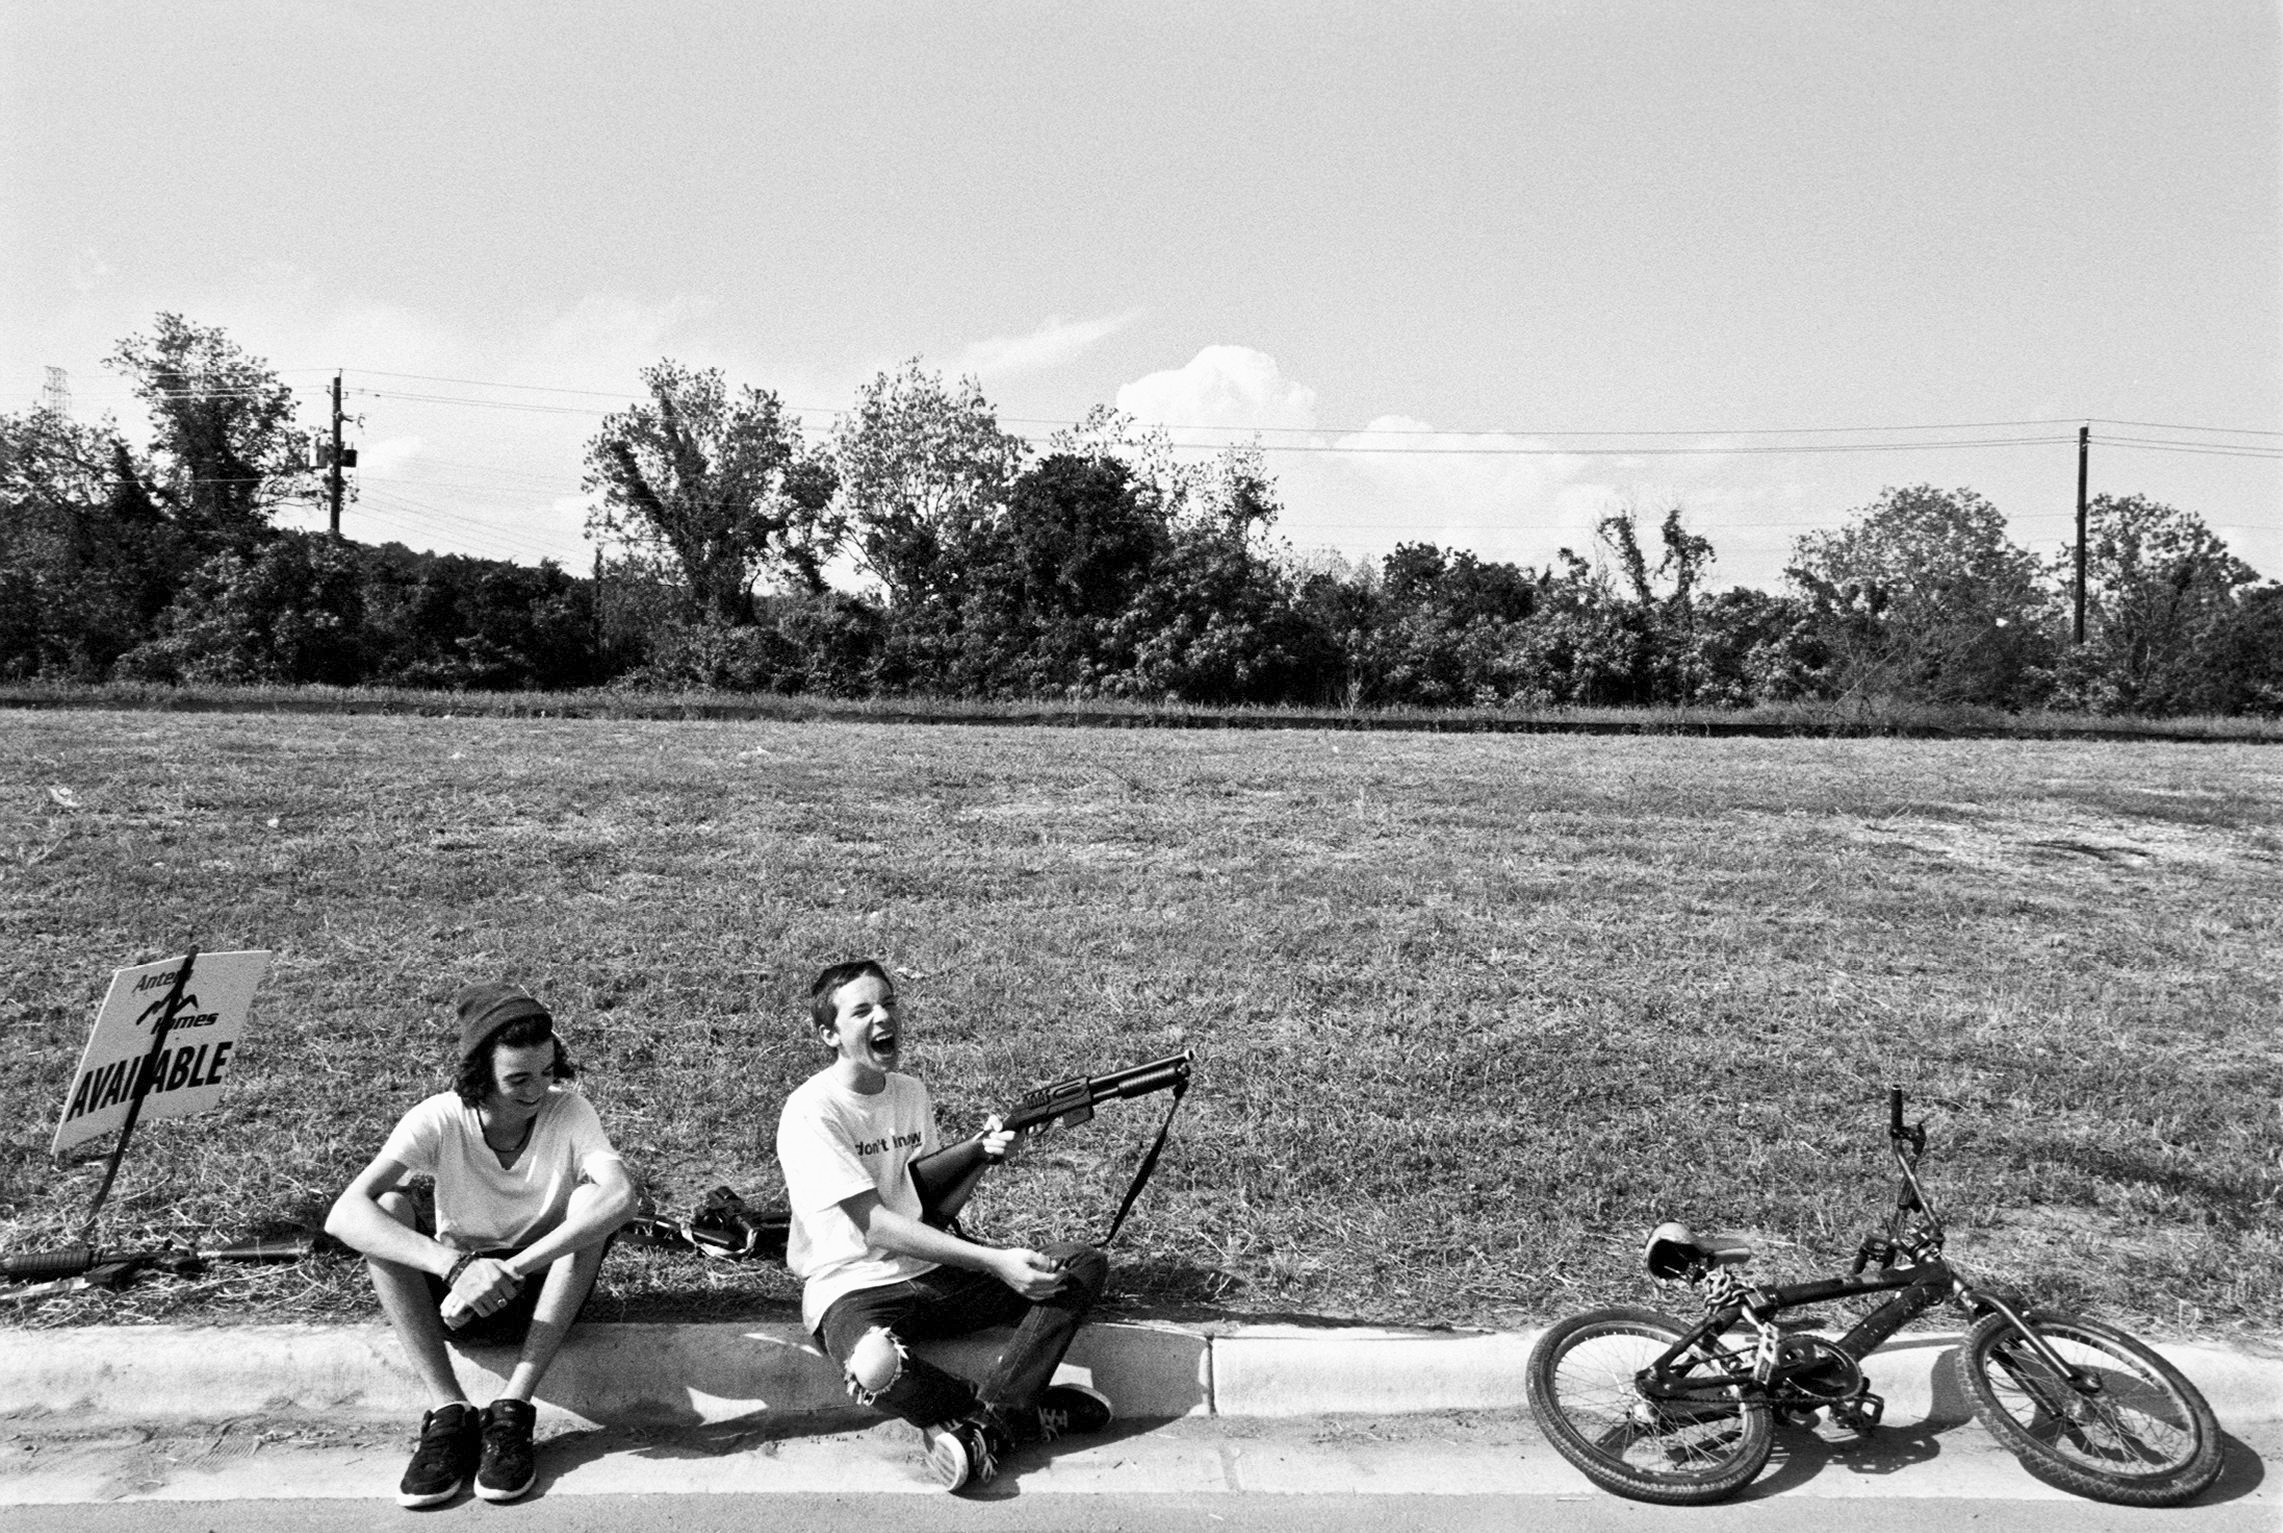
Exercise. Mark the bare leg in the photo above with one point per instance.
(406, 1301)
(570, 1278)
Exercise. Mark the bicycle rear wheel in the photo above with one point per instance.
(2142, 1436)
(1584, 1394)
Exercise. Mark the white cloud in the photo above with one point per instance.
(1504, 496)
(1223, 387)
(1053, 343)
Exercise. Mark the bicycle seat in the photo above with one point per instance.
(1675, 1250)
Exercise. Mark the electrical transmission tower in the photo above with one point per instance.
(55, 394)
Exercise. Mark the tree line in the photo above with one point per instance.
(971, 565)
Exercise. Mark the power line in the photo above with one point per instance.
(1241, 431)
(1506, 431)
(480, 383)
(2205, 449)
(481, 404)
(437, 520)
(1533, 431)
(1629, 452)
(2171, 426)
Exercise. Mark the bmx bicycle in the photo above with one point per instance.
(1662, 1410)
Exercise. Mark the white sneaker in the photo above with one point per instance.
(961, 1455)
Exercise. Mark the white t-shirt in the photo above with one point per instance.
(834, 1143)
(480, 1204)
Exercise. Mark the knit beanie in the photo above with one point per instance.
(487, 1007)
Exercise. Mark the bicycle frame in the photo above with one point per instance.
(1777, 1374)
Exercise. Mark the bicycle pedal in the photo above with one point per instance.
(1860, 1414)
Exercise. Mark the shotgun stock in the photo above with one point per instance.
(948, 1178)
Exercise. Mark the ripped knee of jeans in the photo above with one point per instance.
(874, 1364)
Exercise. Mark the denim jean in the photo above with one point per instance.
(949, 1302)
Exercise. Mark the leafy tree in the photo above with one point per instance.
(2247, 654)
(1923, 595)
(1434, 627)
(288, 610)
(1216, 620)
(923, 467)
(1052, 576)
(2161, 614)
(1586, 644)
(719, 489)
(87, 559)
(1643, 640)
(1748, 646)
(225, 452)
(449, 620)
(1159, 478)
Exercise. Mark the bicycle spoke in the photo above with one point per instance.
(1597, 1391)
(2129, 1422)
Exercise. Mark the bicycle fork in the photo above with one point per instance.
(2082, 1382)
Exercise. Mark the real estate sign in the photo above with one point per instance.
(188, 1074)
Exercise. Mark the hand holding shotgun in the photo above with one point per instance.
(948, 1178)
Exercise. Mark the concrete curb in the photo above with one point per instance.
(666, 1375)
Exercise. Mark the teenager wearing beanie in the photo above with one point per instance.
(527, 1193)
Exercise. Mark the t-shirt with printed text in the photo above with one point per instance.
(480, 1204)
(833, 1143)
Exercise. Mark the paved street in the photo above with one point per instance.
(1427, 1472)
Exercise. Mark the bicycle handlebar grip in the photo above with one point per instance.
(1894, 1111)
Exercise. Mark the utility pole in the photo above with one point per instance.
(2084, 443)
(333, 495)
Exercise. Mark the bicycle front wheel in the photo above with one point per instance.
(2136, 1434)
(1585, 1394)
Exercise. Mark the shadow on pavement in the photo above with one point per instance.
(1801, 1453)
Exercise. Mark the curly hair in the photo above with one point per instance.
(475, 1081)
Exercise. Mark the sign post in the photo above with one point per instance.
(194, 1028)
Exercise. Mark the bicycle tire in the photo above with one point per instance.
(2148, 1438)
(1580, 1383)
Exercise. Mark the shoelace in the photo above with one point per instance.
(1052, 1423)
(986, 1461)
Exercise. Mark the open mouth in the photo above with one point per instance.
(884, 1043)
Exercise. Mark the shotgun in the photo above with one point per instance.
(41, 1273)
(724, 1226)
(948, 1178)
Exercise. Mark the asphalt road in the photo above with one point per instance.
(1142, 1513)
(1421, 1474)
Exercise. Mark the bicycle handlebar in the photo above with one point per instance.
(1894, 1112)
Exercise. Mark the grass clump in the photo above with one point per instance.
(1473, 1012)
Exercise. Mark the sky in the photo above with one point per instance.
(1474, 274)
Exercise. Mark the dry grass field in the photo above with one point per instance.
(1472, 1011)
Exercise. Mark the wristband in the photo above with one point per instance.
(453, 1277)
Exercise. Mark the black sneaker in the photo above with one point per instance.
(1070, 1410)
(964, 1454)
(441, 1463)
(509, 1465)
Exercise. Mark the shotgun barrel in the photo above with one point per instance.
(949, 1177)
